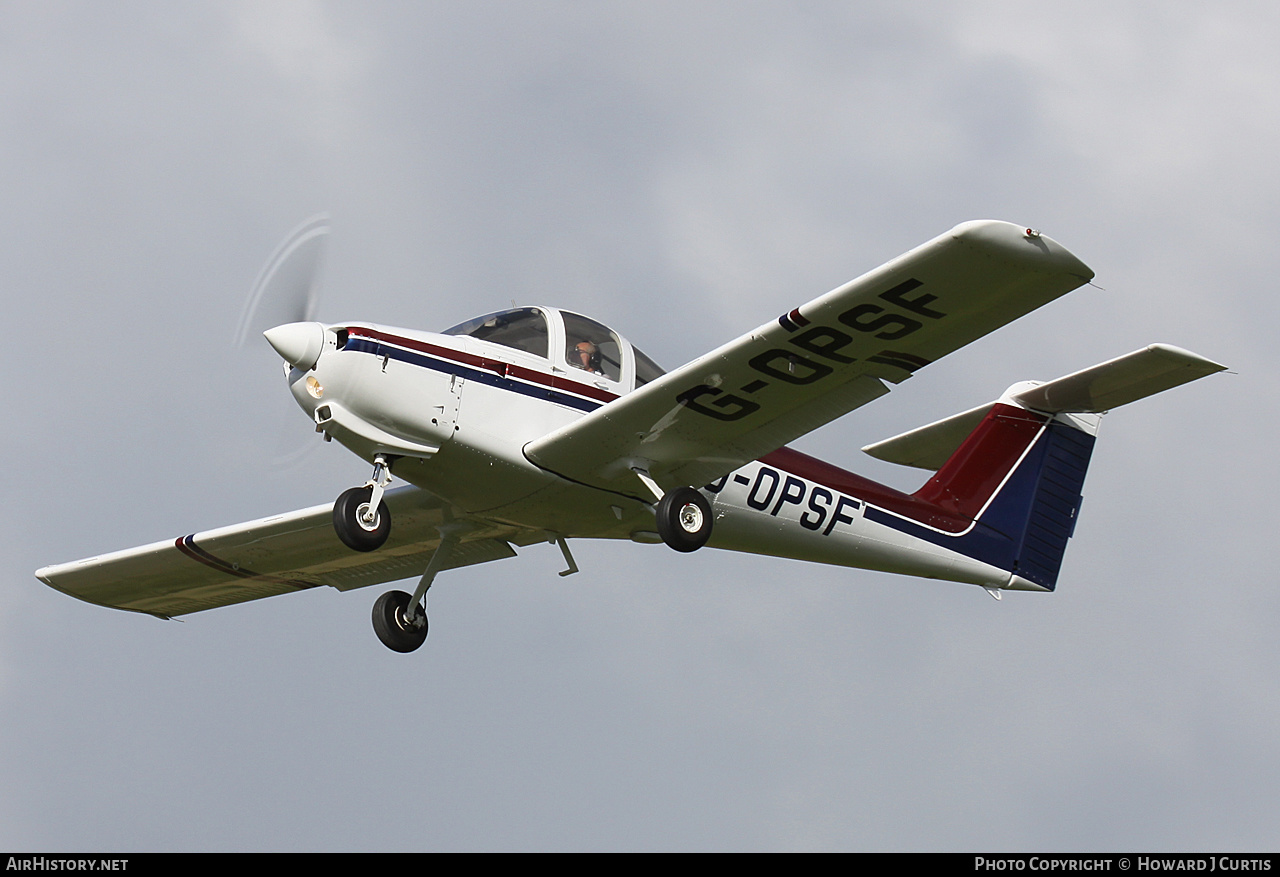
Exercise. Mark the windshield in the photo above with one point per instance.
(521, 329)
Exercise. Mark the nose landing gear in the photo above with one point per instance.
(351, 520)
(360, 517)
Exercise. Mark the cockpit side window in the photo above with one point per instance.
(521, 329)
(592, 347)
(646, 369)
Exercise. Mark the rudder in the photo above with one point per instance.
(1015, 469)
(1018, 477)
(1055, 504)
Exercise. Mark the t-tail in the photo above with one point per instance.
(1010, 474)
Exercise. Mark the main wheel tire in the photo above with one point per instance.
(390, 625)
(349, 524)
(684, 519)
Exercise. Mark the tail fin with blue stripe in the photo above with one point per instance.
(1015, 468)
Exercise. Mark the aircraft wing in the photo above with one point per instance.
(815, 363)
(276, 555)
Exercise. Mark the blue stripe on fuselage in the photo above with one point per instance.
(366, 345)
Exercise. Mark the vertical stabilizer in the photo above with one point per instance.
(1010, 474)
(1018, 476)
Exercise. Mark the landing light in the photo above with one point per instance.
(313, 387)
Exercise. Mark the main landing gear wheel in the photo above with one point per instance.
(684, 519)
(351, 524)
(392, 628)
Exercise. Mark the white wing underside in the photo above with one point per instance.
(275, 555)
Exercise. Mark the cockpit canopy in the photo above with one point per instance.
(521, 329)
(565, 339)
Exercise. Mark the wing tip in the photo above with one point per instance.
(1023, 244)
(1187, 357)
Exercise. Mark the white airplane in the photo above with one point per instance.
(540, 425)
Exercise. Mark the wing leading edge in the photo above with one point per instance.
(815, 363)
(275, 555)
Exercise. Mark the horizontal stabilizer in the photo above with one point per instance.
(928, 447)
(1125, 379)
(1094, 390)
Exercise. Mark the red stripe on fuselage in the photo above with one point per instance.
(949, 501)
(497, 366)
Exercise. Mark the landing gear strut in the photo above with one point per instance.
(360, 517)
(400, 619)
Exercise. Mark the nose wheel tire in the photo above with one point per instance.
(391, 627)
(350, 524)
(684, 519)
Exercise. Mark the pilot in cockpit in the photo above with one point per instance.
(586, 356)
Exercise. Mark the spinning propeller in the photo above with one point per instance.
(287, 290)
(288, 286)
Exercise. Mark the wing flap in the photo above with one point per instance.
(815, 363)
(276, 555)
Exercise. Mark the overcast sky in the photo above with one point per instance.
(683, 172)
